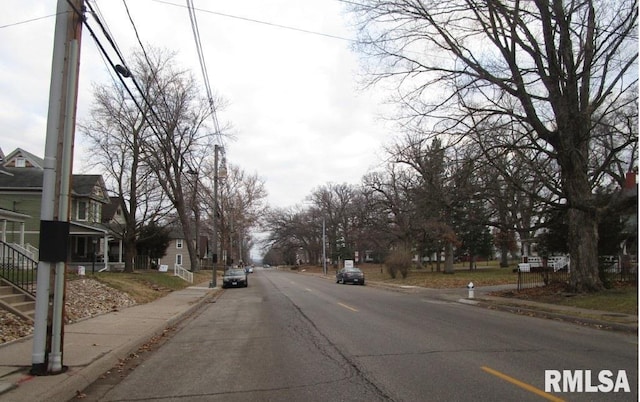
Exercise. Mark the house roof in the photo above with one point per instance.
(31, 179)
(21, 179)
(34, 161)
(12, 216)
(81, 229)
(109, 209)
(84, 184)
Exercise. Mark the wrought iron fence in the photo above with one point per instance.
(541, 277)
(18, 268)
(609, 270)
(615, 269)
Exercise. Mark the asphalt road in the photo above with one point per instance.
(292, 337)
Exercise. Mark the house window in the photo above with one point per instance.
(178, 259)
(98, 213)
(95, 212)
(82, 211)
(21, 162)
(179, 243)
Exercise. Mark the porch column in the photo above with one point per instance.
(105, 253)
(22, 234)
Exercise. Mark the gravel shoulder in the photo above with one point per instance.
(84, 298)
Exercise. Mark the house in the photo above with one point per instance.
(114, 221)
(21, 178)
(178, 254)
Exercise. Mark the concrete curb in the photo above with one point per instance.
(533, 312)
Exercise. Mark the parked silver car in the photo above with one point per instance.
(235, 277)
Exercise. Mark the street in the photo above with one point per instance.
(292, 337)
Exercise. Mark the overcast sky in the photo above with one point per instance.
(299, 114)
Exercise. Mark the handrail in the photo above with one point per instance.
(18, 268)
(27, 250)
(182, 273)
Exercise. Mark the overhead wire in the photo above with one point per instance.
(203, 68)
(30, 20)
(256, 21)
(151, 66)
(106, 56)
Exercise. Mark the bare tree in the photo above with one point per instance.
(179, 140)
(114, 132)
(241, 207)
(287, 229)
(555, 69)
(336, 203)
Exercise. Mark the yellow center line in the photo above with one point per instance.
(523, 385)
(348, 307)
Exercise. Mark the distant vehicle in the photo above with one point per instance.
(266, 266)
(235, 277)
(248, 270)
(350, 275)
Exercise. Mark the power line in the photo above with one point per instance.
(30, 20)
(114, 67)
(203, 68)
(255, 21)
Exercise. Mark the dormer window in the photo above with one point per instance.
(21, 162)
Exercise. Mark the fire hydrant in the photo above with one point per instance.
(470, 286)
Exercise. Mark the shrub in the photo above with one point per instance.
(398, 260)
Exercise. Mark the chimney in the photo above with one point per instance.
(630, 180)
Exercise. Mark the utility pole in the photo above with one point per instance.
(218, 173)
(48, 333)
(214, 238)
(324, 248)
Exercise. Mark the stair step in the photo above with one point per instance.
(6, 290)
(24, 306)
(14, 298)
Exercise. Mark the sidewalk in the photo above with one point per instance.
(93, 346)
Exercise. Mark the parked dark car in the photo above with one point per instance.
(350, 275)
(235, 277)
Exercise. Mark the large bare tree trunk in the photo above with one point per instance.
(129, 253)
(583, 244)
(583, 219)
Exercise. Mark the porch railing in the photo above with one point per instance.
(18, 268)
(28, 250)
(182, 273)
